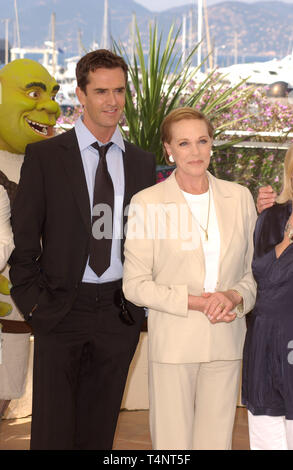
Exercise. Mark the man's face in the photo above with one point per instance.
(28, 111)
(103, 101)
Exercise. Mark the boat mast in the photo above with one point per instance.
(79, 43)
(190, 31)
(184, 39)
(199, 31)
(105, 35)
(208, 35)
(53, 45)
(132, 40)
(235, 47)
(6, 21)
(17, 24)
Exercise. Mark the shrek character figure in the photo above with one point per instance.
(28, 113)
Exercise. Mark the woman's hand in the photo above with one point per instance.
(211, 305)
(219, 305)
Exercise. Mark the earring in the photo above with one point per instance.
(171, 159)
(211, 154)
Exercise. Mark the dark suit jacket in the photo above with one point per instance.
(52, 225)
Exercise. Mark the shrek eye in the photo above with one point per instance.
(34, 94)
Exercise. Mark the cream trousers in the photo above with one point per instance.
(192, 406)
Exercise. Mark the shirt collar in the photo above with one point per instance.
(85, 138)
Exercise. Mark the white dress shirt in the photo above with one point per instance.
(199, 207)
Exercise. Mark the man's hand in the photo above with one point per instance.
(266, 198)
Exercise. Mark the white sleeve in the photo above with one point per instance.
(6, 235)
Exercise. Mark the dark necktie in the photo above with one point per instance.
(100, 245)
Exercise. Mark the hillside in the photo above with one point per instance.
(261, 28)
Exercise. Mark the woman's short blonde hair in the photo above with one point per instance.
(287, 191)
(178, 115)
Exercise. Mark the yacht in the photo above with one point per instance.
(261, 73)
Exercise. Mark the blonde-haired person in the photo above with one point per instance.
(267, 388)
(188, 259)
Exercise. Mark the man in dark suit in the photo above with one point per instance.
(68, 221)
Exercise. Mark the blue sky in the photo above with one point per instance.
(159, 5)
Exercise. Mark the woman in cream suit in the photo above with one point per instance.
(188, 259)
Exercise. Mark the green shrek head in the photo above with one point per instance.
(28, 111)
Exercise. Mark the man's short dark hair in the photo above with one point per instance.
(101, 58)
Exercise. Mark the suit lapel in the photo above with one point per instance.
(129, 175)
(225, 207)
(185, 223)
(129, 189)
(71, 158)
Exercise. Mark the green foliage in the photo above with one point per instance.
(159, 85)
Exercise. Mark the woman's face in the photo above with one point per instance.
(190, 147)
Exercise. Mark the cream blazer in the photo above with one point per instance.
(164, 262)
